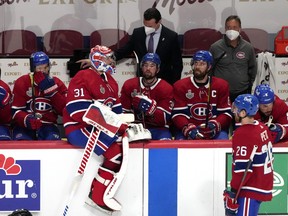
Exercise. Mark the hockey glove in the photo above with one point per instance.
(32, 122)
(46, 83)
(212, 129)
(231, 207)
(4, 97)
(277, 132)
(144, 104)
(191, 132)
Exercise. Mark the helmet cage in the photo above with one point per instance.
(99, 56)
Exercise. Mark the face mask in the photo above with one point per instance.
(232, 34)
(149, 30)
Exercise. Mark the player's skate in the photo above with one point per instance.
(97, 191)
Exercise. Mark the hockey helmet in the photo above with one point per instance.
(39, 58)
(153, 57)
(264, 94)
(247, 102)
(20, 212)
(202, 55)
(99, 56)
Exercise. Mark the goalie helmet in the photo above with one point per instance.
(264, 94)
(202, 55)
(102, 59)
(247, 102)
(39, 58)
(152, 57)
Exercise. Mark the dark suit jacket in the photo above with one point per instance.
(168, 50)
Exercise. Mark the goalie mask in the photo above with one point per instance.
(102, 59)
(246, 102)
(264, 94)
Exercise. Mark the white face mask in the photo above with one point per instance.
(149, 30)
(232, 34)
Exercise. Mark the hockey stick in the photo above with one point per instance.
(140, 90)
(210, 87)
(102, 119)
(245, 172)
(32, 68)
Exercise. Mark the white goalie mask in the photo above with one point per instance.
(102, 59)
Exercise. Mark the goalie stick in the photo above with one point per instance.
(245, 172)
(110, 124)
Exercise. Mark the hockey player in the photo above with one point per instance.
(252, 186)
(5, 111)
(272, 111)
(194, 95)
(87, 86)
(38, 101)
(149, 97)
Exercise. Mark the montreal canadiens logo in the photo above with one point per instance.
(198, 111)
(240, 55)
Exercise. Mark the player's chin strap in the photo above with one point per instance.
(114, 184)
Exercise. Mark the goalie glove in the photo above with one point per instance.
(137, 132)
(144, 104)
(212, 129)
(46, 83)
(230, 205)
(277, 132)
(191, 132)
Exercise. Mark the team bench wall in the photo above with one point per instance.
(171, 178)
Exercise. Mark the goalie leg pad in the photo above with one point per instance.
(98, 187)
(113, 157)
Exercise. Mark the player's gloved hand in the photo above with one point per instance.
(144, 104)
(32, 122)
(46, 83)
(212, 129)
(277, 132)
(4, 97)
(231, 207)
(191, 132)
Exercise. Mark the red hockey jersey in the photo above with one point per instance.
(161, 92)
(48, 107)
(279, 113)
(258, 183)
(84, 88)
(191, 102)
(5, 112)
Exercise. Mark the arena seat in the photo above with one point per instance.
(62, 43)
(17, 43)
(259, 38)
(112, 38)
(199, 39)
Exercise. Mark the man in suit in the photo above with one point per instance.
(165, 44)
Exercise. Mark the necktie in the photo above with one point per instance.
(151, 43)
